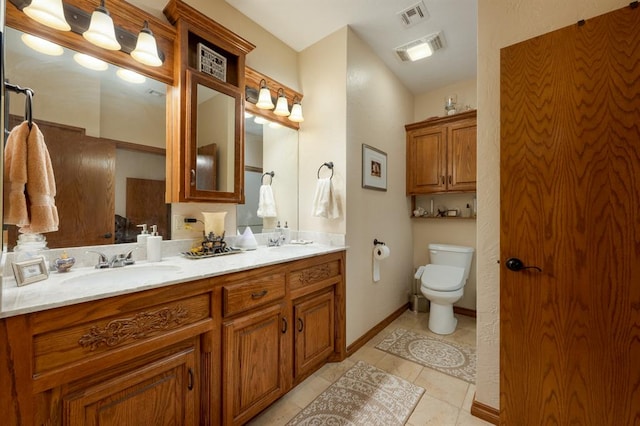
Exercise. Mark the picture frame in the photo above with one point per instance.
(374, 168)
(30, 271)
(211, 62)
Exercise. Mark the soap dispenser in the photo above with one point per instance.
(154, 245)
(143, 235)
(286, 233)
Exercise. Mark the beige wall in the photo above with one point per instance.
(431, 104)
(500, 24)
(376, 118)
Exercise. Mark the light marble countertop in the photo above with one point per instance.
(84, 284)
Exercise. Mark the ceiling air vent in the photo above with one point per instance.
(413, 15)
(421, 48)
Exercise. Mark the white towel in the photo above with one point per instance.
(266, 203)
(324, 200)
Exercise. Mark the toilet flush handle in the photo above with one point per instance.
(419, 272)
(516, 265)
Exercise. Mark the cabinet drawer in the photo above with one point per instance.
(254, 292)
(81, 342)
(314, 274)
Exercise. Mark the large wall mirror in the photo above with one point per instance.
(106, 138)
(269, 147)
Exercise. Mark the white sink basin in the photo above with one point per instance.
(126, 275)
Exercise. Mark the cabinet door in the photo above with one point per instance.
(426, 160)
(315, 340)
(255, 363)
(161, 393)
(461, 155)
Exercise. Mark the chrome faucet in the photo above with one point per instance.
(117, 261)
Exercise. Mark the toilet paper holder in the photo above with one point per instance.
(376, 242)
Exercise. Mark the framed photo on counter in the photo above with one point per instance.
(30, 271)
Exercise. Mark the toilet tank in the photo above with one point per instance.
(446, 254)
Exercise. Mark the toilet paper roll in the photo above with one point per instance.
(380, 252)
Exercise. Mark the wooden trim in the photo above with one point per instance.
(138, 147)
(352, 348)
(442, 120)
(464, 311)
(485, 412)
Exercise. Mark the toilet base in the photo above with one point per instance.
(441, 318)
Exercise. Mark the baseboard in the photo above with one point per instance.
(464, 311)
(485, 412)
(375, 330)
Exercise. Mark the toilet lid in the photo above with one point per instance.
(442, 277)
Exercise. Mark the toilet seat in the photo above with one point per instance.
(442, 277)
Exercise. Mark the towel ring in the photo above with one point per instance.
(271, 173)
(28, 105)
(329, 165)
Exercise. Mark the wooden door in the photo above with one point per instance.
(255, 363)
(315, 340)
(84, 170)
(570, 204)
(146, 205)
(161, 393)
(461, 156)
(426, 160)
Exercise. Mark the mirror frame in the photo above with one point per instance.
(191, 191)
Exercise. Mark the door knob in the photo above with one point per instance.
(108, 235)
(515, 264)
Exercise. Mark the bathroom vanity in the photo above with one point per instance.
(214, 342)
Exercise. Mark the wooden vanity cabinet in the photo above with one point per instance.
(441, 154)
(206, 352)
(205, 107)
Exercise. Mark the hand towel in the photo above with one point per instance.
(28, 166)
(324, 201)
(266, 202)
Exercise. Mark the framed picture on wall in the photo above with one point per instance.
(374, 168)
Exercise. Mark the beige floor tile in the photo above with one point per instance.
(334, 370)
(306, 391)
(466, 419)
(279, 413)
(432, 411)
(443, 386)
(468, 399)
(367, 354)
(399, 367)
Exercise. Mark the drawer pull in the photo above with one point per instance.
(190, 381)
(300, 325)
(285, 325)
(259, 294)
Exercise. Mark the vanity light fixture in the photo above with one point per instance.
(49, 13)
(264, 97)
(41, 45)
(130, 76)
(101, 31)
(146, 51)
(296, 111)
(90, 62)
(282, 105)
(247, 114)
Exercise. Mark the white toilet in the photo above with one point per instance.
(442, 282)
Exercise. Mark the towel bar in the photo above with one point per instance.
(271, 173)
(329, 165)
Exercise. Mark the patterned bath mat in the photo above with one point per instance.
(456, 360)
(364, 395)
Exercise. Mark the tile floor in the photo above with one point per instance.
(446, 401)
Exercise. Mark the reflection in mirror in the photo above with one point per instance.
(269, 148)
(106, 138)
(215, 139)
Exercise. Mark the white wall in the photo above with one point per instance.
(500, 24)
(431, 104)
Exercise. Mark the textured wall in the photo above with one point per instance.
(500, 24)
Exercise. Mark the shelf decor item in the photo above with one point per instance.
(30, 271)
(212, 63)
(374, 168)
